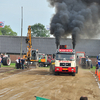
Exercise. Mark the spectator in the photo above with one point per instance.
(22, 63)
(17, 63)
(0, 61)
(83, 98)
(1, 58)
(97, 65)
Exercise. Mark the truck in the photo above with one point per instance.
(45, 59)
(31, 57)
(42, 60)
(82, 60)
(64, 62)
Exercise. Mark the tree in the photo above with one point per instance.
(7, 31)
(38, 30)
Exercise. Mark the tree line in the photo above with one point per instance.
(37, 30)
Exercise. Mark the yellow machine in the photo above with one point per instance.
(31, 58)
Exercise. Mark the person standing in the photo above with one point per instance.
(1, 58)
(22, 63)
(83, 98)
(17, 63)
(0, 61)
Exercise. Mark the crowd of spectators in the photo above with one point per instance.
(20, 63)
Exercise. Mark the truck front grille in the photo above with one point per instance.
(65, 64)
(68, 64)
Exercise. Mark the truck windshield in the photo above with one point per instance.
(64, 56)
(80, 55)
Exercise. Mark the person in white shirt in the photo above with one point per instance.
(17, 63)
(0, 61)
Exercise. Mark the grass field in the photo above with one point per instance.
(11, 65)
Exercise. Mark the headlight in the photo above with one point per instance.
(57, 68)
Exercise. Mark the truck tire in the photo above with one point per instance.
(73, 74)
(46, 65)
(56, 73)
(6, 61)
(37, 65)
(76, 69)
(41, 65)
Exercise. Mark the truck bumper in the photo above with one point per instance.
(65, 69)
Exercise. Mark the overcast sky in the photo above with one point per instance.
(34, 11)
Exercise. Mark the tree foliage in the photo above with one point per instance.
(39, 30)
(7, 31)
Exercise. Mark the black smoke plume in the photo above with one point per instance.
(79, 18)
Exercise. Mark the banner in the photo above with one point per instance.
(48, 27)
(1, 24)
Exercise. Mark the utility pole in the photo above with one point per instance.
(21, 31)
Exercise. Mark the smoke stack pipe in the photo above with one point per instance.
(57, 46)
(74, 50)
(73, 45)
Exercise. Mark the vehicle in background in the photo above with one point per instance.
(5, 59)
(45, 59)
(82, 60)
(31, 58)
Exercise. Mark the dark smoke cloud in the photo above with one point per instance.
(79, 18)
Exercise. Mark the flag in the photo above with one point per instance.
(48, 27)
(1, 24)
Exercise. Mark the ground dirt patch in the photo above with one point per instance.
(25, 84)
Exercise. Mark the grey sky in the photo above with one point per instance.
(34, 11)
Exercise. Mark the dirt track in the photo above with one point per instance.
(24, 85)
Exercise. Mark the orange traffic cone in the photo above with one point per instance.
(99, 76)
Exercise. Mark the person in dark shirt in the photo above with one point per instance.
(19, 63)
(22, 63)
(83, 98)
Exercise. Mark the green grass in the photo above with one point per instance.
(11, 65)
(44, 67)
(94, 68)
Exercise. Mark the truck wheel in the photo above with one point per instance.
(41, 65)
(73, 74)
(46, 65)
(76, 69)
(6, 61)
(37, 65)
(56, 73)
